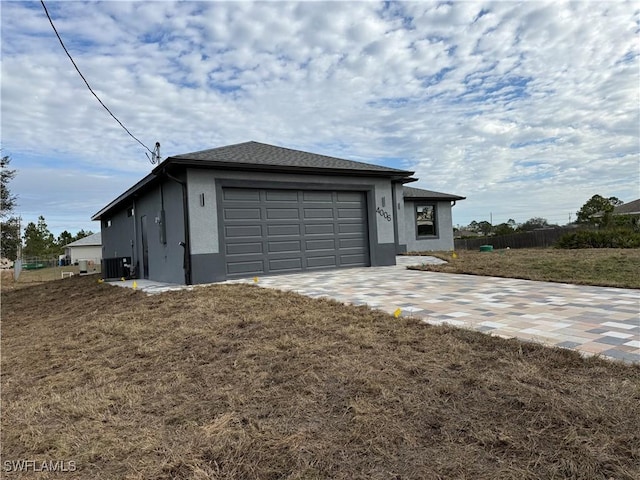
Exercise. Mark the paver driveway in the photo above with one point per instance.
(593, 320)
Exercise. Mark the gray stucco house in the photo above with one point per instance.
(254, 209)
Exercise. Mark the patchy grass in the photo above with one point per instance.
(609, 267)
(240, 382)
(41, 275)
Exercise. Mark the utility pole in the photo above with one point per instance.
(19, 252)
(17, 265)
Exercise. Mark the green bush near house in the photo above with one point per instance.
(609, 238)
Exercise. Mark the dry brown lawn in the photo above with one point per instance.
(240, 382)
(609, 267)
(33, 277)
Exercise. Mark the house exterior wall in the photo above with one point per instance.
(117, 238)
(444, 225)
(401, 241)
(166, 256)
(123, 238)
(203, 219)
(207, 259)
(87, 252)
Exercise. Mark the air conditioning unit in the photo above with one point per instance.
(118, 267)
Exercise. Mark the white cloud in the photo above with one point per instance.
(528, 108)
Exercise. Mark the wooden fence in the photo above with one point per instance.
(538, 238)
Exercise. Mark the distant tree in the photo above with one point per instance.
(9, 228)
(82, 234)
(7, 199)
(39, 241)
(597, 210)
(10, 238)
(484, 227)
(64, 238)
(533, 223)
(503, 229)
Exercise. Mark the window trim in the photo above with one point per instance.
(436, 228)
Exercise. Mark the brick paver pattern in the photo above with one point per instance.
(592, 320)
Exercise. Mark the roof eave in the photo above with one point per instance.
(405, 180)
(449, 197)
(125, 196)
(221, 165)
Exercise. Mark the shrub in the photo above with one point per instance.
(611, 238)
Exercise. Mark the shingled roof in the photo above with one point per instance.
(421, 194)
(94, 239)
(629, 208)
(259, 155)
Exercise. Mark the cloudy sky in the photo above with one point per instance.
(525, 108)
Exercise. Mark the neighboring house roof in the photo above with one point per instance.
(89, 241)
(421, 194)
(260, 157)
(629, 208)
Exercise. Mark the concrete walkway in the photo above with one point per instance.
(592, 320)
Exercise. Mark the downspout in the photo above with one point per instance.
(187, 243)
(134, 241)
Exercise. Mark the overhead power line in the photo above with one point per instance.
(156, 151)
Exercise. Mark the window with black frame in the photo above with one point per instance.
(426, 220)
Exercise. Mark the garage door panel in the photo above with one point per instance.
(242, 213)
(285, 264)
(319, 229)
(324, 197)
(318, 213)
(322, 261)
(290, 196)
(325, 244)
(355, 242)
(241, 194)
(245, 267)
(353, 259)
(350, 213)
(344, 227)
(354, 197)
(282, 213)
(243, 231)
(284, 229)
(284, 246)
(277, 231)
(243, 248)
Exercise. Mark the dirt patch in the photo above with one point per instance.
(235, 381)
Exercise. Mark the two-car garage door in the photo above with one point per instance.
(276, 231)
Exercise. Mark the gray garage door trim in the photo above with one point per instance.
(269, 231)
